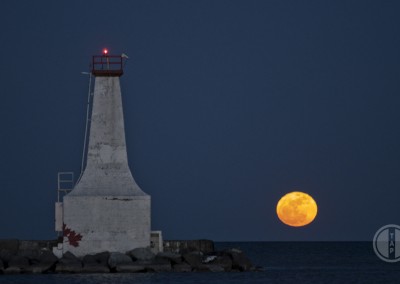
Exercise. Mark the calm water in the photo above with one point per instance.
(291, 262)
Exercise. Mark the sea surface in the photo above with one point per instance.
(281, 262)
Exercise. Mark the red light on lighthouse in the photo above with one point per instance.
(106, 64)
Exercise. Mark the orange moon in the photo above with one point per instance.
(296, 209)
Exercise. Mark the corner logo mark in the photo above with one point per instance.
(387, 243)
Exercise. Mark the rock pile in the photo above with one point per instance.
(137, 260)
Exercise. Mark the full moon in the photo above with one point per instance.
(296, 209)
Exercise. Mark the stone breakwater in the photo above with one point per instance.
(17, 257)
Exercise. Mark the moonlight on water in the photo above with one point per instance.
(296, 209)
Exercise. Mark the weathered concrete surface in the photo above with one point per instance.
(184, 246)
(106, 223)
(106, 211)
(107, 171)
(156, 242)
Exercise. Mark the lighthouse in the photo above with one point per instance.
(106, 210)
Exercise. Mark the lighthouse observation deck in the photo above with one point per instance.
(107, 65)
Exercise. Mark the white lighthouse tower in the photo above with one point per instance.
(106, 210)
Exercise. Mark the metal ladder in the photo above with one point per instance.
(65, 183)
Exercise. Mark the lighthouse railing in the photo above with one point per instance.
(107, 65)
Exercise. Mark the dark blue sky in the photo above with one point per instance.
(228, 106)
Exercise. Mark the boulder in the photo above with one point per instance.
(17, 264)
(194, 259)
(102, 257)
(215, 268)
(118, 260)
(18, 261)
(182, 267)
(10, 245)
(99, 258)
(68, 268)
(210, 268)
(96, 263)
(130, 268)
(37, 269)
(31, 254)
(6, 255)
(44, 263)
(12, 270)
(159, 265)
(239, 260)
(174, 258)
(95, 268)
(221, 259)
(69, 263)
(40, 268)
(141, 254)
(47, 257)
(68, 257)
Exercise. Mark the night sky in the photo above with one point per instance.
(228, 106)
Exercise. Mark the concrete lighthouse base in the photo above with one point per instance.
(95, 224)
